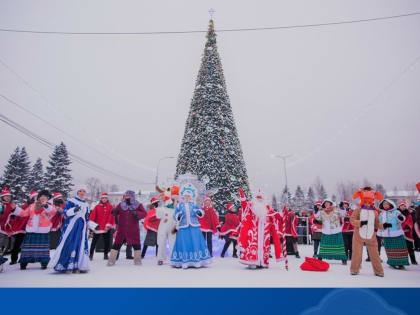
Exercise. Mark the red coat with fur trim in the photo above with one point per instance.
(151, 222)
(101, 215)
(347, 226)
(58, 219)
(209, 222)
(291, 224)
(5, 227)
(231, 224)
(17, 224)
(254, 238)
(314, 227)
(408, 227)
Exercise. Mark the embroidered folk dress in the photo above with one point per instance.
(190, 248)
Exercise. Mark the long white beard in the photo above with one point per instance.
(259, 208)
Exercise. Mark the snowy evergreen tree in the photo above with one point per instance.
(299, 199)
(321, 193)
(58, 174)
(210, 147)
(16, 174)
(310, 198)
(36, 177)
(334, 198)
(11, 176)
(274, 203)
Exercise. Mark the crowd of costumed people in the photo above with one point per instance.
(181, 229)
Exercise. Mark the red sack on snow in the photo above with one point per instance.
(312, 264)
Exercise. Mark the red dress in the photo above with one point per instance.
(254, 237)
(101, 215)
(209, 222)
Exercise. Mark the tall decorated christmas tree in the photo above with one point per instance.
(210, 147)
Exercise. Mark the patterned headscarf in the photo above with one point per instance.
(133, 202)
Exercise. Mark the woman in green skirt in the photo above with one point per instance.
(332, 244)
(393, 235)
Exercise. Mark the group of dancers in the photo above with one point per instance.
(177, 224)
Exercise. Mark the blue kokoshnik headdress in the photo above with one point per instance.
(189, 190)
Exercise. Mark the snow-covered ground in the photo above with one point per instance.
(223, 272)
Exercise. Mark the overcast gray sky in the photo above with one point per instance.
(336, 97)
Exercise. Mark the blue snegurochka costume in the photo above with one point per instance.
(190, 249)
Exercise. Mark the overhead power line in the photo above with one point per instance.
(217, 31)
(75, 157)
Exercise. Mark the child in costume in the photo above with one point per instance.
(229, 228)
(393, 237)
(36, 244)
(190, 248)
(332, 244)
(167, 226)
(365, 220)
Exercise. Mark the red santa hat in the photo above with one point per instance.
(57, 195)
(319, 203)
(402, 202)
(104, 195)
(5, 192)
(33, 194)
(153, 200)
(230, 205)
(346, 201)
(259, 194)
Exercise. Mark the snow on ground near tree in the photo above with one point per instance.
(224, 272)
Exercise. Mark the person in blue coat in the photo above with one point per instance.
(72, 255)
(190, 249)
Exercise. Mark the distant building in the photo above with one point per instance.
(408, 195)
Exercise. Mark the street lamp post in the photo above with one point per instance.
(284, 157)
(157, 168)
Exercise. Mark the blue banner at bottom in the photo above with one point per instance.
(211, 301)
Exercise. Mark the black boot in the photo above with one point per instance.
(297, 255)
(105, 255)
(23, 266)
(413, 258)
(91, 256)
(44, 266)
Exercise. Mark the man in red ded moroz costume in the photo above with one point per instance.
(209, 223)
(365, 220)
(128, 213)
(257, 226)
(102, 216)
